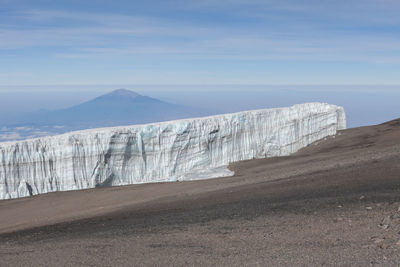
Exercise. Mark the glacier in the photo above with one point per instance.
(178, 150)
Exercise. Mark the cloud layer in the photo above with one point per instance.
(205, 41)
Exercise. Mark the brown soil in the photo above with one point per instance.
(336, 202)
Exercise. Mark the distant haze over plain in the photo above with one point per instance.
(364, 105)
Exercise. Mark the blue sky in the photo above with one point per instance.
(199, 42)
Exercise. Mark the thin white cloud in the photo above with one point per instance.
(23, 128)
(271, 32)
(118, 35)
(5, 75)
(350, 12)
(10, 136)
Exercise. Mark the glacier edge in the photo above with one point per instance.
(185, 149)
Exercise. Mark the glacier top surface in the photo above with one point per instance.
(164, 123)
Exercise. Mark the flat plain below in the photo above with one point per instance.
(335, 202)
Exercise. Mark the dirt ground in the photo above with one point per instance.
(336, 202)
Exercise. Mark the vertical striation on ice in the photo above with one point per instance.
(176, 150)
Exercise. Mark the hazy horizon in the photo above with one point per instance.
(363, 104)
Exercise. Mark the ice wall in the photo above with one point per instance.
(169, 151)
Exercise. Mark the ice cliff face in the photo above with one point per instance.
(176, 150)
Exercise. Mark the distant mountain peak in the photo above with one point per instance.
(116, 108)
(124, 93)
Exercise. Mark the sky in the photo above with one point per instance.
(78, 42)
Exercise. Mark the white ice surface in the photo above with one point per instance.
(187, 149)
